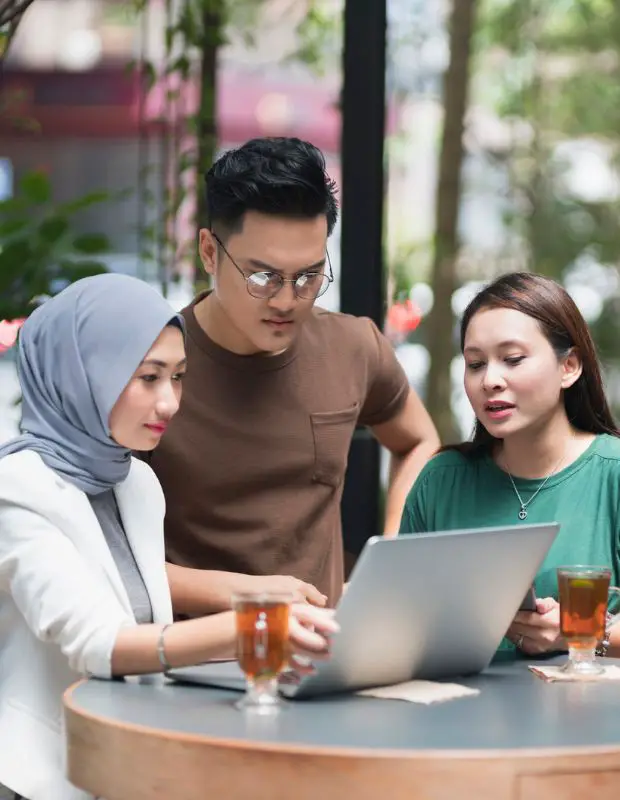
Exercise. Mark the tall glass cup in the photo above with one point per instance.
(262, 646)
(584, 594)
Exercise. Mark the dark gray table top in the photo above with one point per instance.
(514, 709)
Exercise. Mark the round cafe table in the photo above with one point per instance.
(519, 739)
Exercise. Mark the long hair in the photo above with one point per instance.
(564, 328)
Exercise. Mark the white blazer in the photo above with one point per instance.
(62, 603)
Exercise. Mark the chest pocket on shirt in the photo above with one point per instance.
(332, 432)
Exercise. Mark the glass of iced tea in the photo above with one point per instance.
(262, 646)
(584, 595)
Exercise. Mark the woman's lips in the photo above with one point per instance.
(157, 427)
(499, 411)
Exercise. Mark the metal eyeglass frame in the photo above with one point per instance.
(282, 281)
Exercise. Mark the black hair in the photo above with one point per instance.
(282, 176)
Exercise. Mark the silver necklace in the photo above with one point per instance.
(524, 505)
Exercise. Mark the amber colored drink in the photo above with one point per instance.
(583, 606)
(262, 637)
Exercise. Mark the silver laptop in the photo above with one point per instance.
(432, 605)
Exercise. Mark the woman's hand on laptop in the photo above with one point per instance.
(537, 632)
(310, 629)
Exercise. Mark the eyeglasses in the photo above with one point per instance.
(265, 285)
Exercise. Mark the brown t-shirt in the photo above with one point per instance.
(252, 466)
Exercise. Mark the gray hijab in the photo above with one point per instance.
(76, 354)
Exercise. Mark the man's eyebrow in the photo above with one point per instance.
(263, 267)
(157, 363)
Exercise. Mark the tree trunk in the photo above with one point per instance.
(206, 118)
(443, 281)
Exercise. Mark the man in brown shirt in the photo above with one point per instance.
(253, 464)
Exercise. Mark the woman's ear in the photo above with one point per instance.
(572, 368)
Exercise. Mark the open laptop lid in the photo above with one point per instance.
(418, 605)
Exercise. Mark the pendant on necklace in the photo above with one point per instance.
(523, 513)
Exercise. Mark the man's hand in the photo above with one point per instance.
(285, 584)
(196, 592)
(537, 632)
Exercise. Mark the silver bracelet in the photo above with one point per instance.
(603, 646)
(161, 651)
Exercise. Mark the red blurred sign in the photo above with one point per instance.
(403, 318)
(8, 332)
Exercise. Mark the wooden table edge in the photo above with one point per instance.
(581, 751)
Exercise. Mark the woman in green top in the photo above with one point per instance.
(545, 446)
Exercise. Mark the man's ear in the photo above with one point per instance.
(207, 249)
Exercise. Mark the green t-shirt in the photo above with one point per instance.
(453, 491)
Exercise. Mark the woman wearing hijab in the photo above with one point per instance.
(83, 587)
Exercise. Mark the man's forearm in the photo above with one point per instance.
(403, 472)
(196, 592)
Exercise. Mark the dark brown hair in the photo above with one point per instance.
(564, 328)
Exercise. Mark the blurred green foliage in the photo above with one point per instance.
(558, 84)
(40, 249)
